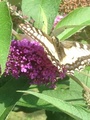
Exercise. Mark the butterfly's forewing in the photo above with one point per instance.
(46, 41)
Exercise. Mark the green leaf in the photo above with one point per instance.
(61, 92)
(42, 11)
(8, 94)
(71, 94)
(57, 116)
(73, 22)
(83, 77)
(5, 34)
(76, 112)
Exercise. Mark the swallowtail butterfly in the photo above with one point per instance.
(73, 55)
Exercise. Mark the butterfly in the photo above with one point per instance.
(73, 55)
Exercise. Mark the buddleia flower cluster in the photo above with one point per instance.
(27, 57)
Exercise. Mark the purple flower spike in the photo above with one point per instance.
(29, 58)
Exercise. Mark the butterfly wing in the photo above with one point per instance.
(46, 41)
(76, 55)
(73, 55)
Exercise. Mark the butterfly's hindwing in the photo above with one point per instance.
(77, 55)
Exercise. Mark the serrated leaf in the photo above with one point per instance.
(42, 11)
(5, 34)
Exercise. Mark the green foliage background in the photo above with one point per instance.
(66, 101)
